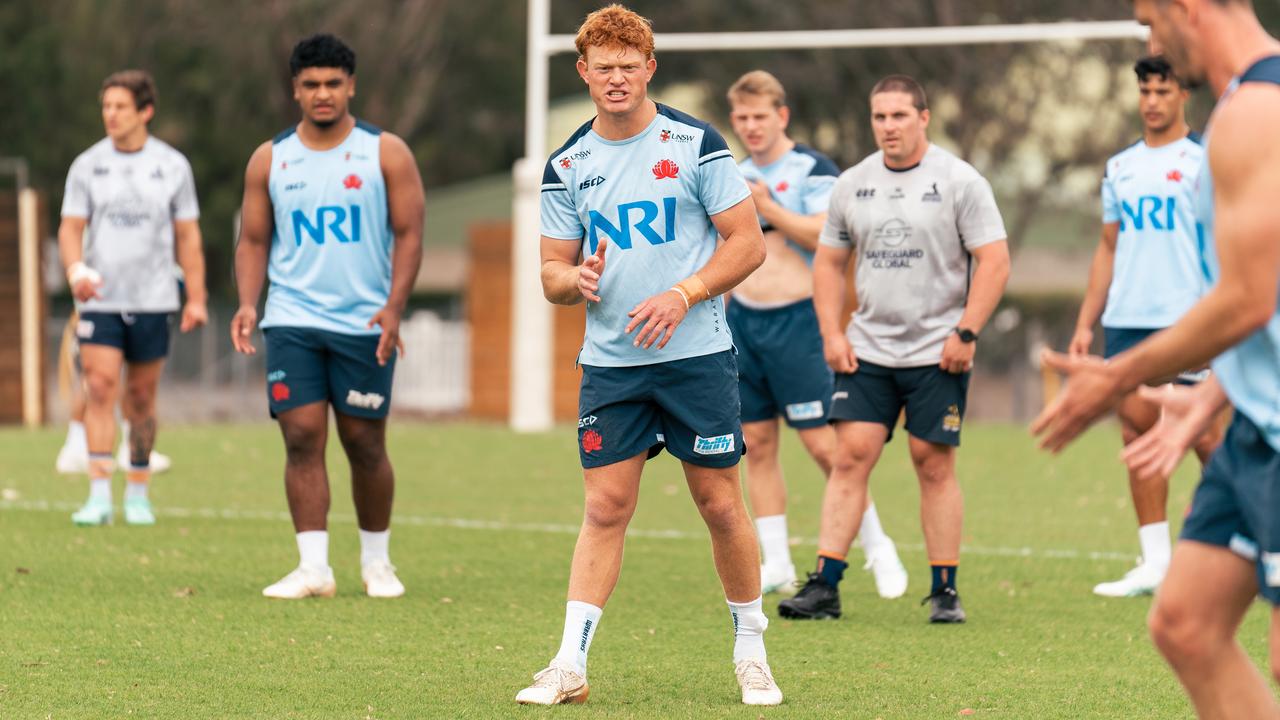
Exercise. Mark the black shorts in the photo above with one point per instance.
(781, 368)
(688, 406)
(142, 337)
(934, 399)
(305, 365)
(1118, 340)
(1237, 504)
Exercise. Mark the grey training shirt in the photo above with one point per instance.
(911, 232)
(131, 201)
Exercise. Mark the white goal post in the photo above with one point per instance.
(531, 317)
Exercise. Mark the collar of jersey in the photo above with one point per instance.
(776, 163)
(927, 153)
(627, 141)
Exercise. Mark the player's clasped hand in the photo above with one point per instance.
(957, 355)
(389, 320)
(839, 353)
(589, 273)
(660, 314)
(242, 326)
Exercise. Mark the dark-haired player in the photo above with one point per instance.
(928, 243)
(137, 198)
(1146, 273)
(332, 214)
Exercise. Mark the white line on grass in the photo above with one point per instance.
(551, 528)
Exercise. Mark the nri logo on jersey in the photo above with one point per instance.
(1157, 211)
(342, 223)
(640, 216)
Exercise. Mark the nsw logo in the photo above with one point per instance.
(566, 162)
(352, 182)
(666, 169)
(368, 401)
(592, 441)
(668, 136)
(718, 445)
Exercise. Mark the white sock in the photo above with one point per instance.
(75, 437)
(749, 622)
(872, 532)
(373, 546)
(580, 623)
(100, 489)
(772, 530)
(135, 490)
(313, 548)
(1157, 549)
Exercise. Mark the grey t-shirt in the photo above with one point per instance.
(131, 201)
(911, 232)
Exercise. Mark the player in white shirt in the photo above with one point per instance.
(1146, 273)
(781, 370)
(137, 197)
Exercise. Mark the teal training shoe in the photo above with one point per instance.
(94, 512)
(137, 511)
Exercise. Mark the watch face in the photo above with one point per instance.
(966, 335)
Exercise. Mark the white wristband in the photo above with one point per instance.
(683, 295)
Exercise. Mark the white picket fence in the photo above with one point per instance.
(433, 374)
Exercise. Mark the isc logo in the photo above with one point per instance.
(640, 215)
(330, 219)
(1151, 209)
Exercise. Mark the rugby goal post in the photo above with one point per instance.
(531, 326)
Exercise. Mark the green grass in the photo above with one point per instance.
(168, 621)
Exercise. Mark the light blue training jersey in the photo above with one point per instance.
(330, 261)
(1150, 192)
(1250, 371)
(800, 181)
(652, 197)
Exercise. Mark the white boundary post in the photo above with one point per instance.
(30, 288)
(531, 315)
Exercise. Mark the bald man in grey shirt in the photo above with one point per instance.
(931, 264)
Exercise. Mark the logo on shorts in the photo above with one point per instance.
(841, 395)
(84, 329)
(369, 401)
(592, 441)
(805, 411)
(1244, 547)
(951, 423)
(1271, 568)
(587, 421)
(275, 376)
(717, 445)
(279, 391)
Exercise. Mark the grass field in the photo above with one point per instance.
(168, 621)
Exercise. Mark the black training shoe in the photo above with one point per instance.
(946, 606)
(816, 601)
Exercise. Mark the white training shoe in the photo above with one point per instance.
(1142, 580)
(304, 581)
(778, 579)
(159, 461)
(380, 580)
(557, 684)
(72, 461)
(756, 681)
(890, 575)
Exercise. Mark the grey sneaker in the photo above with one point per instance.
(945, 606)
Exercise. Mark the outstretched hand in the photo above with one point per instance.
(1092, 389)
(1158, 451)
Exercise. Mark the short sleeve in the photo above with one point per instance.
(838, 228)
(1110, 203)
(184, 205)
(978, 218)
(720, 182)
(559, 217)
(75, 199)
(818, 184)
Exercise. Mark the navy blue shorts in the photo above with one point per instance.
(142, 337)
(1118, 340)
(781, 368)
(1237, 504)
(305, 365)
(689, 406)
(934, 399)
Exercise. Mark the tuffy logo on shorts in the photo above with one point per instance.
(718, 445)
(805, 411)
(592, 441)
(84, 329)
(368, 401)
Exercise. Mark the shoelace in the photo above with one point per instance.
(941, 594)
(754, 676)
(382, 571)
(551, 677)
(809, 580)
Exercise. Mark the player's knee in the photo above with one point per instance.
(302, 442)
(851, 456)
(608, 511)
(1177, 634)
(761, 447)
(720, 510)
(139, 397)
(100, 387)
(932, 466)
(365, 451)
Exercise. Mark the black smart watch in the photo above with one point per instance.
(966, 335)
